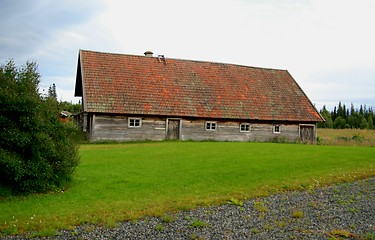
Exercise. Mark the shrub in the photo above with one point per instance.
(297, 214)
(234, 201)
(37, 152)
(279, 139)
(159, 227)
(358, 137)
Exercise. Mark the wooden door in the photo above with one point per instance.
(307, 134)
(173, 129)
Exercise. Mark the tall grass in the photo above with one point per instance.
(346, 137)
(117, 182)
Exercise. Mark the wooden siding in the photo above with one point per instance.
(115, 128)
(230, 131)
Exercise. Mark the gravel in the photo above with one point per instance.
(340, 211)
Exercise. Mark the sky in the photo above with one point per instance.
(328, 46)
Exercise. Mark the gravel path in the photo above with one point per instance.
(342, 211)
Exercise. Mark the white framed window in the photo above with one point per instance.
(211, 125)
(276, 129)
(134, 122)
(245, 127)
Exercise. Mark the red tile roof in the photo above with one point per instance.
(128, 84)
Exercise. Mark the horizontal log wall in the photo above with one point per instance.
(262, 132)
(115, 128)
(230, 131)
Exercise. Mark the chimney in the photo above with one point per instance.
(148, 54)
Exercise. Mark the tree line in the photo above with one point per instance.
(343, 117)
(61, 105)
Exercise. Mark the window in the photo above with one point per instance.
(211, 125)
(244, 127)
(134, 122)
(276, 129)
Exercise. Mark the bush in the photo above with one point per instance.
(358, 137)
(37, 152)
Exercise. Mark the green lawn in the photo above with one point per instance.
(117, 182)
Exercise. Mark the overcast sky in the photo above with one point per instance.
(328, 46)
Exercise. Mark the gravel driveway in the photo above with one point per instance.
(345, 211)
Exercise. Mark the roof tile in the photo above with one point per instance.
(128, 84)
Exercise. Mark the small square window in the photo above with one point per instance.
(276, 129)
(134, 122)
(211, 125)
(244, 127)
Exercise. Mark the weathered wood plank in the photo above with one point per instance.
(111, 127)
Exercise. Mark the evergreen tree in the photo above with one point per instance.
(37, 152)
(370, 118)
(334, 114)
(343, 117)
(52, 92)
(70, 107)
(350, 121)
(344, 112)
(361, 111)
(363, 124)
(340, 110)
(352, 110)
(328, 119)
(339, 123)
(370, 122)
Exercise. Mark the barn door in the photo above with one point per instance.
(307, 134)
(173, 132)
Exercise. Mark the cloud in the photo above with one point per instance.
(49, 33)
(326, 45)
(30, 26)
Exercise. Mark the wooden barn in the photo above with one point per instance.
(132, 98)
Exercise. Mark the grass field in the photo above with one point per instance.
(346, 137)
(116, 182)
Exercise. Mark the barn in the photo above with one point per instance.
(147, 97)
